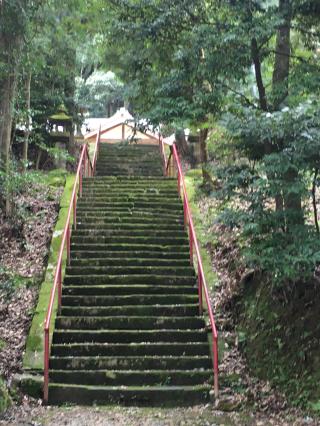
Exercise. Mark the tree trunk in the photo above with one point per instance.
(70, 88)
(182, 145)
(7, 91)
(28, 120)
(282, 55)
(292, 200)
(10, 47)
(207, 179)
(257, 68)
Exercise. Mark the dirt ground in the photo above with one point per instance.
(31, 413)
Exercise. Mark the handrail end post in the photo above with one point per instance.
(46, 366)
(215, 366)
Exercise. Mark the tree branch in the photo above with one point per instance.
(244, 97)
(258, 73)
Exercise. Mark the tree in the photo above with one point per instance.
(102, 93)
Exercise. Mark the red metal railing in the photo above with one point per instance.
(195, 254)
(85, 169)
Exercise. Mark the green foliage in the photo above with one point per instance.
(102, 90)
(5, 400)
(276, 240)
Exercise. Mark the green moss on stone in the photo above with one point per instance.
(33, 358)
(5, 400)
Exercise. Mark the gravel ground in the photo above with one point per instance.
(33, 414)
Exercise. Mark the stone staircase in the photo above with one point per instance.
(129, 330)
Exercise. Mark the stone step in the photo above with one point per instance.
(129, 322)
(105, 211)
(141, 310)
(133, 289)
(163, 362)
(131, 378)
(131, 279)
(131, 198)
(136, 395)
(111, 191)
(129, 216)
(107, 232)
(129, 300)
(132, 247)
(133, 173)
(135, 180)
(128, 336)
(145, 241)
(178, 271)
(132, 349)
(130, 227)
(138, 204)
(130, 256)
(138, 262)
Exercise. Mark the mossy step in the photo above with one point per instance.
(129, 216)
(119, 199)
(133, 289)
(144, 240)
(185, 271)
(164, 362)
(138, 204)
(119, 226)
(145, 162)
(112, 191)
(131, 279)
(137, 155)
(132, 168)
(120, 310)
(138, 262)
(132, 218)
(60, 394)
(125, 148)
(164, 213)
(123, 349)
(130, 187)
(131, 378)
(129, 255)
(129, 323)
(129, 150)
(128, 336)
(132, 181)
(105, 171)
(128, 300)
(152, 248)
(133, 156)
(127, 179)
(149, 232)
(129, 170)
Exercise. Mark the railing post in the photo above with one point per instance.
(46, 366)
(68, 244)
(80, 182)
(190, 244)
(178, 181)
(185, 212)
(200, 290)
(59, 287)
(75, 211)
(215, 366)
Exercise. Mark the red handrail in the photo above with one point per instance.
(194, 250)
(85, 169)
